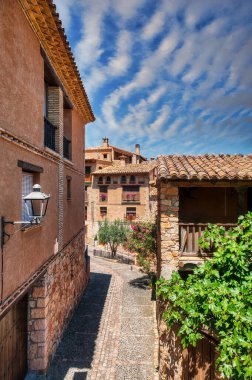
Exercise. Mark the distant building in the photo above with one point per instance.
(44, 107)
(117, 184)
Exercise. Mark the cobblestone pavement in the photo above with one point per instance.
(111, 335)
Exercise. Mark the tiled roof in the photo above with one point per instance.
(206, 167)
(144, 167)
(110, 147)
(46, 24)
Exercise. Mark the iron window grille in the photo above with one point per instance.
(49, 134)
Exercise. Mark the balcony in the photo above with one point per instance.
(189, 234)
(130, 197)
(88, 178)
(66, 148)
(49, 134)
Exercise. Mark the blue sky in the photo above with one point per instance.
(173, 75)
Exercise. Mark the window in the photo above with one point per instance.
(103, 212)
(49, 128)
(67, 139)
(85, 212)
(132, 179)
(88, 170)
(131, 213)
(123, 179)
(105, 156)
(108, 180)
(103, 193)
(131, 194)
(27, 185)
(100, 180)
(69, 189)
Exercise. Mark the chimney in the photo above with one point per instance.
(123, 160)
(105, 142)
(138, 149)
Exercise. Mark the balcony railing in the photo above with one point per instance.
(130, 197)
(49, 134)
(189, 235)
(66, 148)
(88, 178)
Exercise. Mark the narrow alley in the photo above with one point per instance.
(112, 332)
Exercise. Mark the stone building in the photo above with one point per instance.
(192, 192)
(120, 191)
(44, 109)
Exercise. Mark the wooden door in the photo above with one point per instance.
(13, 342)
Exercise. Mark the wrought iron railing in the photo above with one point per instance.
(66, 148)
(49, 134)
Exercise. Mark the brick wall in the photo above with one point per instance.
(52, 301)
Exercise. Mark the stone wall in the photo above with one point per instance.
(52, 301)
(167, 262)
(168, 239)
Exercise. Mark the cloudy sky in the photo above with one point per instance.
(172, 75)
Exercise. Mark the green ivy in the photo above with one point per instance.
(217, 297)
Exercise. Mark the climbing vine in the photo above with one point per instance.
(217, 297)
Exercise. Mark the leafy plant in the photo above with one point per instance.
(217, 297)
(142, 240)
(112, 233)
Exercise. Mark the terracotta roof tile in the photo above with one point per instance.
(205, 167)
(144, 167)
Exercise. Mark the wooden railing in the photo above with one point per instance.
(130, 197)
(190, 233)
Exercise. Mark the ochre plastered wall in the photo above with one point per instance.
(21, 75)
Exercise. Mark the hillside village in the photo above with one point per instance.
(70, 308)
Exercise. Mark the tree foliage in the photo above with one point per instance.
(142, 241)
(217, 297)
(112, 233)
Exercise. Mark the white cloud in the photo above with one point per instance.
(173, 128)
(120, 62)
(154, 26)
(158, 123)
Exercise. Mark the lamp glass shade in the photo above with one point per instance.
(36, 203)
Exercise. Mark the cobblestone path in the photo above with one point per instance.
(111, 335)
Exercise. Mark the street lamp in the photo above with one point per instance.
(36, 205)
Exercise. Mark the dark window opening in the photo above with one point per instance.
(123, 179)
(108, 180)
(131, 213)
(103, 211)
(88, 170)
(100, 180)
(103, 193)
(105, 156)
(132, 179)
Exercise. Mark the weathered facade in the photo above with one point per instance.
(192, 192)
(121, 191)
(115, 199)
(44, 108)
